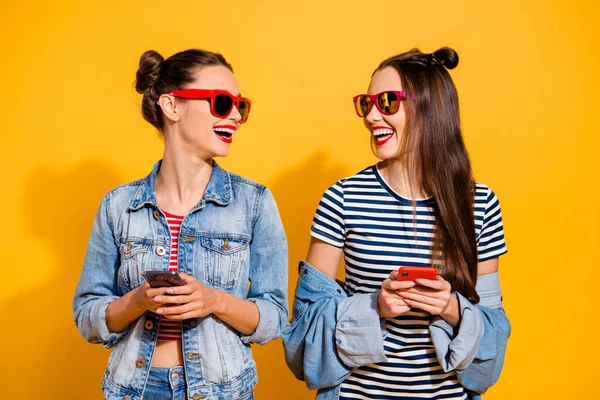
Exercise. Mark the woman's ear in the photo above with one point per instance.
(167, 103)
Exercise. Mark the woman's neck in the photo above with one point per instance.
(395, 173)
(181, 181)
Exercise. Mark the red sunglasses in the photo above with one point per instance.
(221, 101)
(387, 103)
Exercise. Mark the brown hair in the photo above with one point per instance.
(156, 76)
(436, 158)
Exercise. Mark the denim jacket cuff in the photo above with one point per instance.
(359, 331)
(488, 288)
(98, 322)
(268, 323)
(456, 348)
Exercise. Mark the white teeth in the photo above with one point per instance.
(382, 132)
(226, 130)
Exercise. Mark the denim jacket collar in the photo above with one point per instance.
(218, 189)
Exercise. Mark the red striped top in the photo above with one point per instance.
(169, 329)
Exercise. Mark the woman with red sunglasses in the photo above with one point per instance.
(210, 243)
(384, 335)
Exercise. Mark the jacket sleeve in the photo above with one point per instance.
(330, 333)
(476, 349)
(97, 286)
(268, 272)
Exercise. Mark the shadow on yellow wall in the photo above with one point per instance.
(58, 206)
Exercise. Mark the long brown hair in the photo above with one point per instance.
(156, 76)
(436, 158)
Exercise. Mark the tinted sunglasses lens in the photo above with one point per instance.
(223, 104)
(244, 109)
(363, 105)
(388, 103)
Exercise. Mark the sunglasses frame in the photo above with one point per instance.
(375, 100)
(210, 94)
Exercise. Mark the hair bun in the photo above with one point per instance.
(148, 71)
(446, 56)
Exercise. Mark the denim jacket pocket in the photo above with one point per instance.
(224, 257)
(133, 259)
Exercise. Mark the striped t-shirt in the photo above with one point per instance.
(169, 329)
(379, 232)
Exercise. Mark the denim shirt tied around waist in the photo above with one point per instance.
(330, 334)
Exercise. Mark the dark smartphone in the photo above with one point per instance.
(163, 278)
(412, 273)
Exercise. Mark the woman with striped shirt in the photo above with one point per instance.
(420, 207)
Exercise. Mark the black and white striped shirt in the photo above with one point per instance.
(379, 232)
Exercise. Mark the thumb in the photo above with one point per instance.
(186, 278)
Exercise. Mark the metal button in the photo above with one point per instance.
(149, 324)
(160, 251)
(128, 248)
(156, 215)
(198, 397)
(140, 363)
(175, 376)
(192, 356)
(226, 245)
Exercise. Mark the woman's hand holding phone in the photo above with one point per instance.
(433, 296)
(193, 300)
(144, 297)
(390, 303)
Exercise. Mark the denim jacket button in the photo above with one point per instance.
(192, 356)
(140, 363)
(156, 215)
(160, 251)
(149, 324)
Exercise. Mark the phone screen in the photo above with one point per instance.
(163, 278)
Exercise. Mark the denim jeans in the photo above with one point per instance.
(165, 384)
(169, 384)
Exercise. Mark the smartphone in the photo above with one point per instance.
(163, 278)
(412, 273)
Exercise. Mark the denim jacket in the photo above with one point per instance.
(330, 334)
(233, 236)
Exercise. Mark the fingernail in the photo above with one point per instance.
(159, 311)
(169, 290)
(157, 298)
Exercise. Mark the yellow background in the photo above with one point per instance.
(71, 130)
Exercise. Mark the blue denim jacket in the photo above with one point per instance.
(330, 334)
(232, 236)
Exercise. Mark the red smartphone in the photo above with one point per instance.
(163, 278)
(412, 273)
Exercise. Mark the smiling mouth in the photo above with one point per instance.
(225, 133)
(382, 135)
